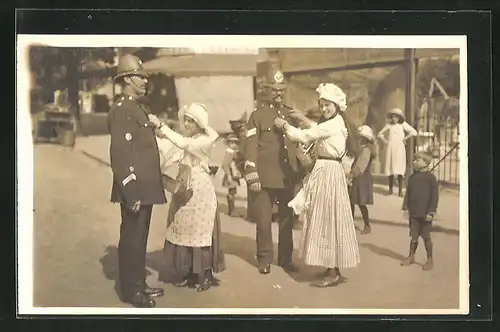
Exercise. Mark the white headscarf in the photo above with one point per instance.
(197, 112)
(366, 132)
(333, 93)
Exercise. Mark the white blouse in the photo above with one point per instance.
(190, 151)
(330, 136)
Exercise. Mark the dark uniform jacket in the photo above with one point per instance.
(270, 156)
(422, 194)
(134, 156)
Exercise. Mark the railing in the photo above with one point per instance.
(440, 137)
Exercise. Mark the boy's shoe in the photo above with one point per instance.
(408, 261)
(429, 265)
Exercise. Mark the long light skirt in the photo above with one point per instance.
(328, 236)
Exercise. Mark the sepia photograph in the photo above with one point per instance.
(227, 174)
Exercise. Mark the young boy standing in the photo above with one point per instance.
(421, 201)
(232, 166)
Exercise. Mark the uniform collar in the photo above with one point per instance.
(127, 97)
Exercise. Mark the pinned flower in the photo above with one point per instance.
(333, 93)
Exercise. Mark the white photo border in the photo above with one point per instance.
(24, 151)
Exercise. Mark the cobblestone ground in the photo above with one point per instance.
(75, 238)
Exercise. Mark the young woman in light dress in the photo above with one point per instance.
(328, 236)
(191, 252)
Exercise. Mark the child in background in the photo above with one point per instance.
(231, 165)
(399, 131)
(421, 201)
(360, 179)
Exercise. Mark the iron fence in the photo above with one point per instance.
(438, 134)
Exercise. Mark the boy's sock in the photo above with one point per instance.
(411, 257)
(429, 265)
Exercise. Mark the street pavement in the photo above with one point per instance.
(76, 233)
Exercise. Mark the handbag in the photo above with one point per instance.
(307, 156)
(179, 188)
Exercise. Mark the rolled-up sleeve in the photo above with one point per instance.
(197, 146)
(317, 131)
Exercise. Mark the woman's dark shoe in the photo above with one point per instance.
(329, 281)
(215, 282)
(188, 281)
(205, 285)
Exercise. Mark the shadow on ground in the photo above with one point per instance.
(381, 251)
(438, 229)
(109, 264)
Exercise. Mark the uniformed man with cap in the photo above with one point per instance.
(271, 168)
(137, 183)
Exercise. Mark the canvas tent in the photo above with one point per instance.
(223, 82)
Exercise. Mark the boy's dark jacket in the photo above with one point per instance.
(422, 194)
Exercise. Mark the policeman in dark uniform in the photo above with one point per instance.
(271, 169)
(137, 183)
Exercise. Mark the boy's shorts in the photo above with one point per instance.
(420, 227)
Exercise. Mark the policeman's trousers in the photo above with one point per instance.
(134, 231)
(262, 214)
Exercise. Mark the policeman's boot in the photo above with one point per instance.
(152, 292)
(411, 257)
(400, 185)
(429, 265)
(230, 205)
(391, 184)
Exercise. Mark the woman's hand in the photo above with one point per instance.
(296, 114)
(154, 120)
(280, 123)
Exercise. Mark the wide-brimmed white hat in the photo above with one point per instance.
(398, 112)
(196, 111)
(366, 132)
(333, 93)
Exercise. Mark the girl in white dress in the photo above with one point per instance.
(191, 249)
(328, 236)
(398, 132)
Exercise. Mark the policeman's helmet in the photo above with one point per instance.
(130, 65)
(269, 75)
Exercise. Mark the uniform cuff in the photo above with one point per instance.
(252, 177)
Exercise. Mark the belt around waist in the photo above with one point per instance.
(339, 159)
